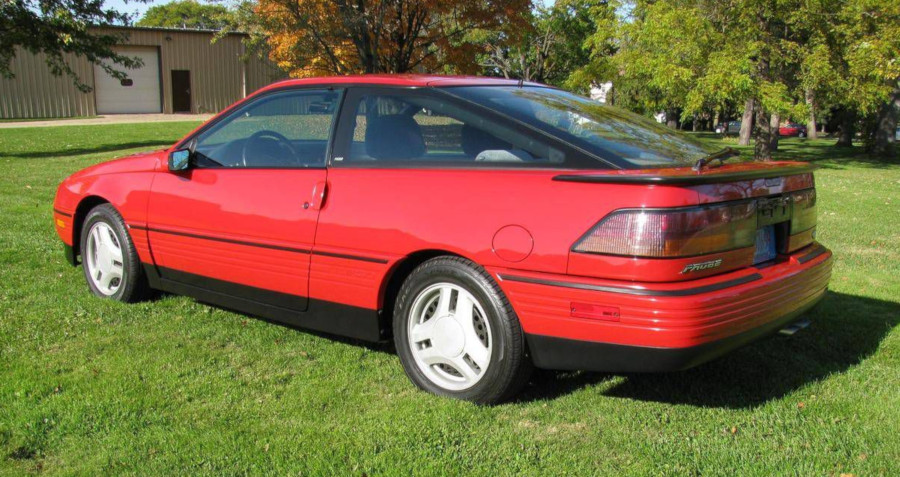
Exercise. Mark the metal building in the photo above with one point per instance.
(183, 72)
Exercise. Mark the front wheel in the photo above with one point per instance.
(457, 335)
(111, 264)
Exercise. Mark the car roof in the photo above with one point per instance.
(409, 80)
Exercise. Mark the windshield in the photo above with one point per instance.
(621, 137)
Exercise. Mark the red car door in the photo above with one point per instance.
(241, 220)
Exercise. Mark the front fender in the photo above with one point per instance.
(128, 192)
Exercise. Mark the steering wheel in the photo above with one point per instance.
(281, 141)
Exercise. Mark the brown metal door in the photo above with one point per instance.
(181, 91)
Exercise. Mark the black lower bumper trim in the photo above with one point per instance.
(819, 250)
(550, 352)
(637, 291)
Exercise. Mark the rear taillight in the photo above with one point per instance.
(803, 219)
(658, 233)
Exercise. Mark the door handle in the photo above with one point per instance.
(318, 196)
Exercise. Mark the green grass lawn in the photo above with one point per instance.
(172, 386)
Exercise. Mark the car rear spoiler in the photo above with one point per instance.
(687, 176)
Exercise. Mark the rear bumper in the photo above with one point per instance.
(549, 352)
(669, 326)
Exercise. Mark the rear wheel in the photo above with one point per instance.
(111, 265)
(457, 335)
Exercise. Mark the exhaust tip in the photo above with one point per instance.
(794, 327)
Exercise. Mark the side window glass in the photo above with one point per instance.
(282, 130)
(425, 129)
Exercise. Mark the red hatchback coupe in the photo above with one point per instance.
(486, 226)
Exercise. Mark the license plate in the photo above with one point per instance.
(765, 244)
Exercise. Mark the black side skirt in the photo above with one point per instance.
(323, 316)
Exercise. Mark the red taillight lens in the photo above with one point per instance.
(673, 233)
(803, 220)
(803, 217)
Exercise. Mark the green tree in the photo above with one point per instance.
(872, 57)
(702, 57)
(549, 51)
(187, 14)
(754, 60)
(664, 51)
(823, 74)
(58, 28)
(600, 46)
(850, 64)
(243, 18)
(775, 59)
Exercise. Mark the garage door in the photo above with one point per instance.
(138, 94)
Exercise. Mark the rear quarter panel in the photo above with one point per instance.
(393, 213)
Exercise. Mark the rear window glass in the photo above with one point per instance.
(611, 133)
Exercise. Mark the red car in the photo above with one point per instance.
(484, 225)
(792, 130)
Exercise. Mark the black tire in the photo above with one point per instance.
(132, 286)
(509, 365)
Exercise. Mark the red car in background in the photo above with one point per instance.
(485, 226)
(792, 130)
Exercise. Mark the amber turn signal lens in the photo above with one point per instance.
(683, 232)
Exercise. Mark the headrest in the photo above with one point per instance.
(475, 141)
(394, 137)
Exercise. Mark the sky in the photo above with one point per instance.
(140, 8)
(132, 6)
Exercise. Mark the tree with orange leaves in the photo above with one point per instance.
(320, 37)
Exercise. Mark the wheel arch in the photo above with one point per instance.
(393, 280)
(81, 211)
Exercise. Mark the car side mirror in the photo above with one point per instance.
(180, 160)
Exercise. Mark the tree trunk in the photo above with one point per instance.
(774, 125)
(671, 118)
(747, 122)
(762, 150)
(811, 126)
(695, 124)
(846, 128)
(886, 128)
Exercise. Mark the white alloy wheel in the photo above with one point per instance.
(449, 336)
(103, 259)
